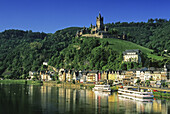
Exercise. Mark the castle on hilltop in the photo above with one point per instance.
(99, 30)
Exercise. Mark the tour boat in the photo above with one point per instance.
(100, 93)
(134, 100)
(128, 92)
(104, 88)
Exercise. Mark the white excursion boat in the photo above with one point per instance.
(128, 92)
(100, 93)
(103, 88)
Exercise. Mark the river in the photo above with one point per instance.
(30, 99)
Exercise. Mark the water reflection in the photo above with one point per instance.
(42, 99)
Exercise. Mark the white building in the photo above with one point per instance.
(147, 75)
(45, 63)
(138, 74)
(142, 75)
(132, 56)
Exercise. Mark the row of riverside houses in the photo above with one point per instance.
(41, 75)
(155, 76)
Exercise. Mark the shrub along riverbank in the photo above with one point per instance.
(114, 88)
(69, 85)
(161, 95)
(28, 82)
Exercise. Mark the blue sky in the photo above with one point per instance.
(52, 15)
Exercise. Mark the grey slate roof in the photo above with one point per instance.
(131, 50)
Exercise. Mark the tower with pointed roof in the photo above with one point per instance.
(99, 22)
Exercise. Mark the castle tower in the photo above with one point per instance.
(99, 22)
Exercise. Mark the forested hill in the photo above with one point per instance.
(154, 34)
(22, 51)
(103, 54)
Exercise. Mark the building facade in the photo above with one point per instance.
(132, 56)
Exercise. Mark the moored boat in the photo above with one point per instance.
(128, 92)
(104, 88)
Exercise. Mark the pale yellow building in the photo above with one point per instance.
(62, 74)
(156, 75)
(163, 75)
(112, 76)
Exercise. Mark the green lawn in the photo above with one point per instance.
(122, 45)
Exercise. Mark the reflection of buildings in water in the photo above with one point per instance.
(30, 92)
(68, 100)
(43, 90)
(128, 104)
(61, 99)
(113, 103)
(143, 107)
(101, 101)
(148, 107)
(167, 106)
(45, 97)
(159, 106)
(82, 95)
(79, 99)
(156, 106)
(74, 100)
(113, 98)
(136, 106)
(90, 97)
(71, 100)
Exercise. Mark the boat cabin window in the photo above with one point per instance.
(145, 94)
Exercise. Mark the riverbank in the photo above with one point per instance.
(75, 86)
(161, 95)
(158, 92)
(28, 82)
(48, 83)
(69, 85)
(161, 92)
(54, 83)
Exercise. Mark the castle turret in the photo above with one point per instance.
(91, 26)
(105, 29)
(99, 22)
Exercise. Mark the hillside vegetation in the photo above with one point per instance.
(122, 45)
(102, 54)
(24, 51)
(153, 34)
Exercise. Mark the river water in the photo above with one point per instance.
(29, 99)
